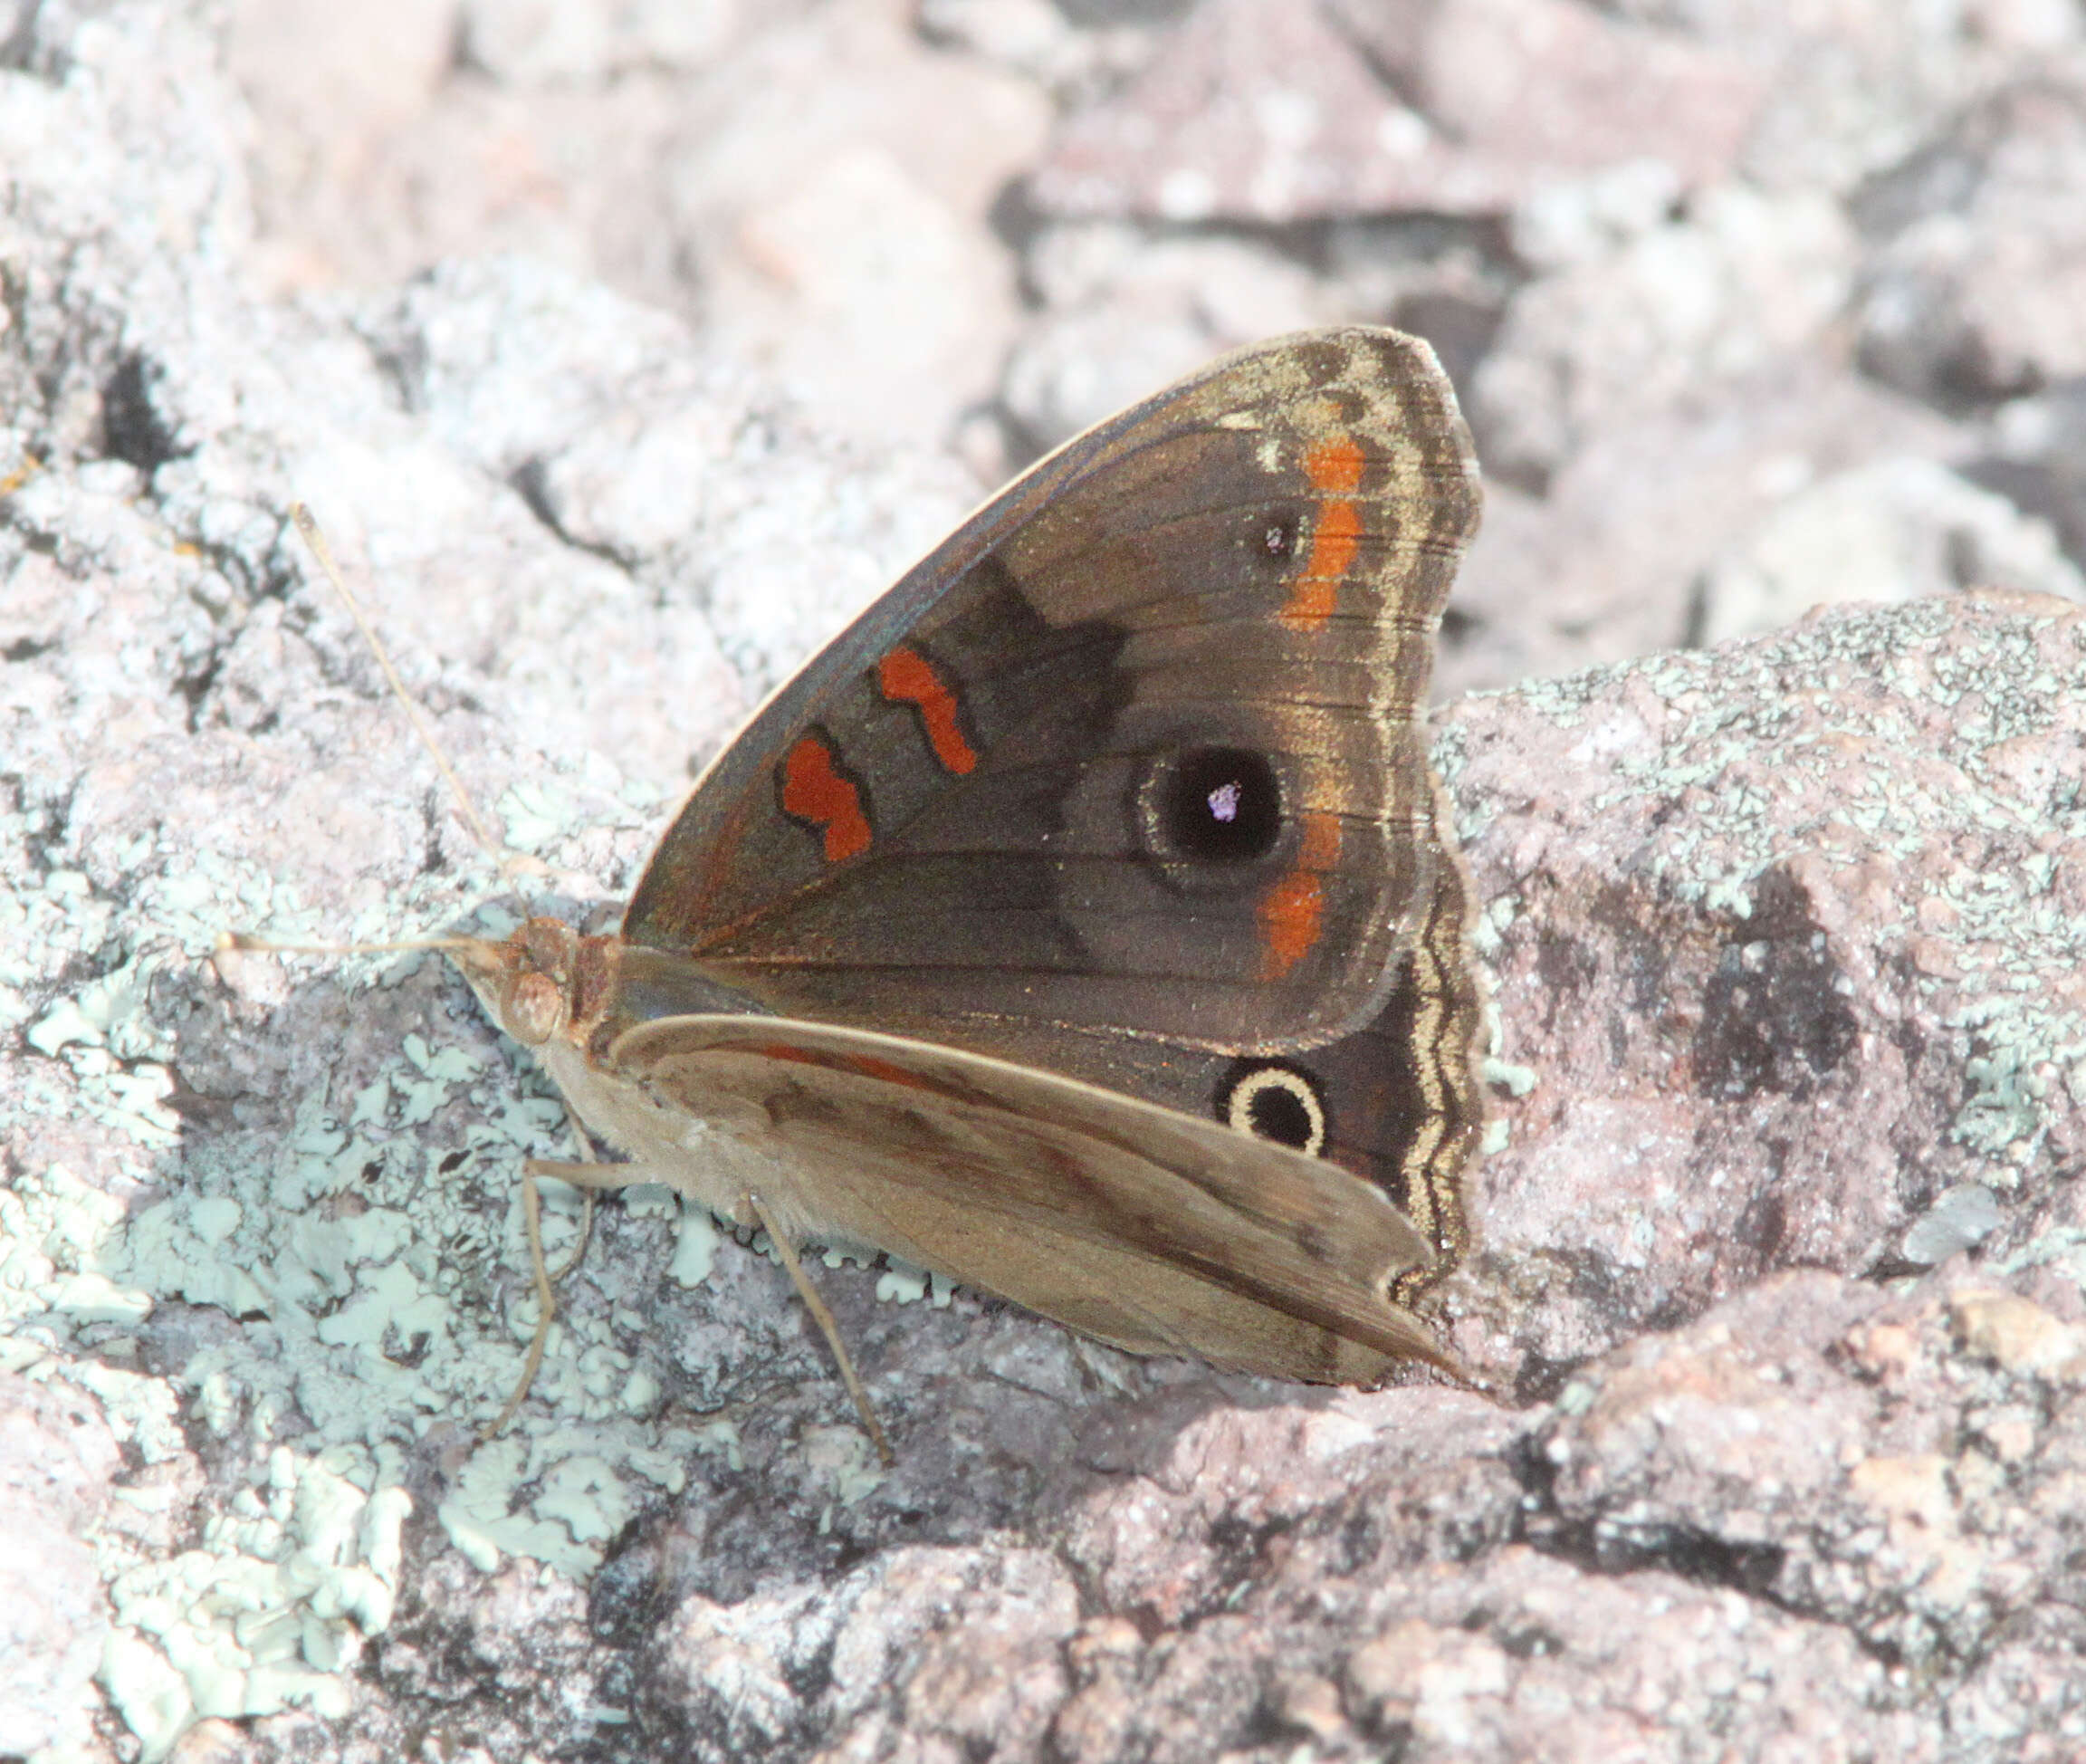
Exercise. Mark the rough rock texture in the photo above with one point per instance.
(1788, 940)
(1718, 255)
(57, 1462)
(1781, 1277)
(1273, 111)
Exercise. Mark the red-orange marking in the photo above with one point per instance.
(1335, 469)
(782, 1050)
(907, 677)
(863, 1064)
(1292, 913)
(814, 791)
(869, 1066)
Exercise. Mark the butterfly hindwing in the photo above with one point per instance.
(1134, 1224)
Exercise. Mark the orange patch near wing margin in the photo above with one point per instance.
(905, 676)
(814, 790)
(1335, 469)
(1292, 913)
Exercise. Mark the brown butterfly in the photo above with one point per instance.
(1082, 922)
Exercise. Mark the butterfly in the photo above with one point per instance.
(1084, 923)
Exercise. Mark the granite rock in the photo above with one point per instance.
(1272, 112)
(814, 182)
(57, 1464)
(1774, 897)
(1744, 283)
(1892, 530)
(1644, 232)
(1778, 1284)
(1978, 282)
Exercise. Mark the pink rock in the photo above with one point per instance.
(57, 1463)
(1272, 111)
(1707, 873)
(1980, 286)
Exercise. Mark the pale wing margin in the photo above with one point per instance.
(1136, 1224)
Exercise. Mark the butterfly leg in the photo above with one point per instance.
(586, 1176)
(831, 1329)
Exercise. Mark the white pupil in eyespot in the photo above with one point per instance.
(1224, 802)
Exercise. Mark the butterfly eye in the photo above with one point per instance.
(1218, 805)
(534, 1010)
(1277, 1103)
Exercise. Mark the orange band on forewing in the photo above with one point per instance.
(908, 677)
(1335, 469)
(1320, 850)
(1292, 913)
(783, 1050)
(813, 790)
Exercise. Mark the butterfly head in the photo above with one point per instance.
(544, 982)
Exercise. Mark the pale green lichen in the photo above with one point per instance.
(361, 1275)
(363, 1280)
(695, 1242)
(1504, 1075)
(903, 1288)
(1732, 721)
(841, 1460)
(534, 814)
(272, 1605)
(271, 1610)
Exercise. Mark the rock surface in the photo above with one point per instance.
(1779, 1280)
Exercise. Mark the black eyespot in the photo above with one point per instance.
(1278, 1113)
(1219, 805)
(1277, 536)
(1267, 1100)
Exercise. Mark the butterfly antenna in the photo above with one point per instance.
(545, 1281)
(307, 529)
(246, 940)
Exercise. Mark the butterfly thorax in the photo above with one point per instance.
(567, 996)
(548, 983)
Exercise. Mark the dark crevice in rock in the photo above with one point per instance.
(1460, 329)
(1239, 1557)
(1598, 1545)
(1772, 1017)
(2047, 489)
(43, 835)
(625, 1600)
(1015, 222)
(196, 684)
(432, 862)
(133, 429)
(1540, 1379)
(401, 358)
(529, 481)
(1763, 1226)
(1641, 953)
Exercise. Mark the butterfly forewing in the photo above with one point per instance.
(1133, 754)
